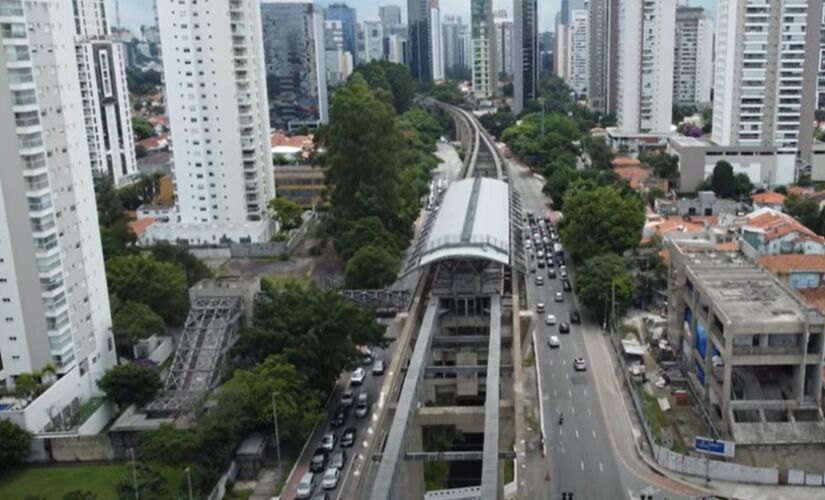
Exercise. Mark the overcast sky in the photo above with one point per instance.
(134, 13)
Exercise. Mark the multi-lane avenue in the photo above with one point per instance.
(592, 453)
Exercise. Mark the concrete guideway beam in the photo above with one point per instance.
(450, 456)
(490, 481)
(392, 458)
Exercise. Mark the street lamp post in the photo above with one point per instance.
(542, 116)
(134, 473)
(189, 481)
(275, 424)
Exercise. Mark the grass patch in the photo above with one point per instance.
(655, 416)
(529, 360)
(54, 482)
(239, 495)
(435, 475)
(509, 471)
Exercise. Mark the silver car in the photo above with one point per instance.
(306, 486)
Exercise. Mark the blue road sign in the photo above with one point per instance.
(714, 446)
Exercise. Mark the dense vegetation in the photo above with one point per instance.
(379, 151)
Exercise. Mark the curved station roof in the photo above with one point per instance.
(472, 222)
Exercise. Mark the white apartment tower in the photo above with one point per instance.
(504, 43)
(437, 48)
(213, 66)
(579, 65)
(645, 76)
(484, 48)
(102, 70)
(373, 39)
(767, 54)
(693, 57)
(54, 304)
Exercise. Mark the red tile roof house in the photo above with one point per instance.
(770, 233)
(768, 199)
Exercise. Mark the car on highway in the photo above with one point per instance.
(566, 285)
(348, 437)
(328, 441)
(539, 280)
(358, 376)
(575, 318)
(532, 269)
(348, 398)
(559, 297)
(550, 320)
(563, 273)
(378, 368)
(550, 263)
(551, 273)
(579, 364)
(330, 480)
(564, 327)
(319, 460)
(540, 263)
(540, 307)
(339, 416)
(554, 341)
(339, 458)
(306, 486)
(362, 407)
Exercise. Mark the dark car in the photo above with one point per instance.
(551, 273)
(541, 263)
(339, 416)
(575, 318)
(348, 437)
(566, 285)
(564, 328)
(319, 461)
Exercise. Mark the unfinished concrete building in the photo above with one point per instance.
(752, 349)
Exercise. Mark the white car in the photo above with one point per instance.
(358, 376)
(328, 441)
(550, 320)
(559, 297)
(306, 486)
(330, 480)
(540, 307)
(579, 364)
(378, 368)
(554, 341)
(363, 406)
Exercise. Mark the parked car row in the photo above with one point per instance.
(329, 459)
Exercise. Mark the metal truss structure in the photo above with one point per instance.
(210, 330)
(382, 300)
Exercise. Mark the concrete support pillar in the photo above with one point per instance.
(412, 479)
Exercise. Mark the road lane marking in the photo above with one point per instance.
(555, 393)
(551, 362)
(577, 434)
(561, 431)
(589, 413)
(585, 392)
(594, 434)
(582, 464)
(573, 409)
(570, 393)
(564, 362)
(601, 467)
(567, 376)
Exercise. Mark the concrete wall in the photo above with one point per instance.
(715, 469)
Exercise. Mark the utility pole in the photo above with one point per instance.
(542, 116)
(134, 473)
(189, 481)
(613, 301)
(275, 424)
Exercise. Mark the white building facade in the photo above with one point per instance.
(450, 32)
(693, 56)
(504, 43)
(217, 104)
(102, 70)
(373, 39)
(484, 49)
(766, 73)
(54, 302)
(579, 44)
(645, 75)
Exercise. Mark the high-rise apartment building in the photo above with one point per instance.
(397, 48)
(579, 52)
(55, 304)
(504, 43)
(525, 52)
(390, 16)
(645, 93)
(436, 47)
(420, 40)
(102, 70)
(820, 87)
(693, 59)
(484, 48)
(345, 14)
(339, 63)
(766, 72)
(603, 29)
(465, 48)
(293, 42)
(213, 64)
(450, 31)
(373, 39)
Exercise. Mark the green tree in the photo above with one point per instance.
(557, 183)
(665, 166)
(596, 280)
(150, 484)
(141, 151)
(598, 151)
(600, 219)
(159, 285)
(805, 210)
(287, 212)
(193, 267)
(130, 384)
(169, 445)
(722, 180)
(496, 123)
(109, 208)
(744, 186)
(14, 444)
(142, 128)
(371, 267)
(134, 321)
(316, 329)
(80, 495)
(365, 232)
(401, 83)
